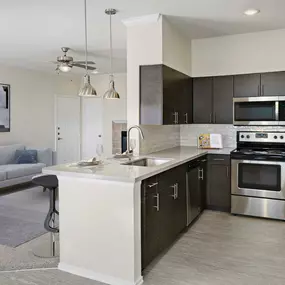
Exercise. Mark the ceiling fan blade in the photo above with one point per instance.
(83, 62)
(83, 66)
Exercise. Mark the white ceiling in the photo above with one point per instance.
(32, 31)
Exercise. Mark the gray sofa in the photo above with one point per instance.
(15, 174)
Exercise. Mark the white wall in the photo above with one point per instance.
(245, 53)
(176, 48)
(110, 110)
(32, 105)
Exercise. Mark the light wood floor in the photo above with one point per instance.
(219, 249)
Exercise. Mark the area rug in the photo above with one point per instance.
(22, 216)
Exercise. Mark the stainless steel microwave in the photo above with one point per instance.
(259, 111)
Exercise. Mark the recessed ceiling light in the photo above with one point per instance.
(251, 12)
(95, 71)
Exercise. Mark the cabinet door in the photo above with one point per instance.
(150, 222)
(273, 84)
(247, 85)
(203, 181)
(223, 99)
(186, 102)
(167, 232)
(202, 100)
(170, 95)
(151, 95)
(218, 190)
(180, 199)
(194, 194)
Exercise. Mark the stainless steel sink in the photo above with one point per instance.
(147, 162)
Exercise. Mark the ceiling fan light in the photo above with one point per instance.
(111, 93)
(64, 67)
(87, 90)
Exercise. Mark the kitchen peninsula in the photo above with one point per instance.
(100, 214)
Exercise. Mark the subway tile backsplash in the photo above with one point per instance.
(159, 138)
(190, 133)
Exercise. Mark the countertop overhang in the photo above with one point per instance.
(113, 170)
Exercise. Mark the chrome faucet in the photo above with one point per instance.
(129, 150)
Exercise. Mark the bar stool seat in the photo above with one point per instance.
(49, 182)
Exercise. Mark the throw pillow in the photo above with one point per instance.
(26, 156)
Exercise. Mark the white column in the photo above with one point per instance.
(144, 47)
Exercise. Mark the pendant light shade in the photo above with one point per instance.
(111, 93)
(87, 90)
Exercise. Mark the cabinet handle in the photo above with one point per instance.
(258, 90)
(186, 118)
(157, 202)
(174, 114)
(177, 118)
(215, 118)
(202, 174)
(152, 185)
(219, 159)
(227, 171)
(174, 191)
(203, 160)
(210, 117)
(262, 90)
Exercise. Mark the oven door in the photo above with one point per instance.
(256, 111)
(258, 178)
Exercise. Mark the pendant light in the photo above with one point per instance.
(111, 93)
(87, 90)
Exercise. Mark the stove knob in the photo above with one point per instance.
(247, 136)
(275, 137)
(281, 137)
(242, 136)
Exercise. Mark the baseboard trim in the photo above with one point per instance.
(96, 276)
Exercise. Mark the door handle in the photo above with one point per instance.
(152, 185)
(186, 118)
(59, 139)
(157, 202)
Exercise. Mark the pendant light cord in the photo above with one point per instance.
(111, 49)
(85, 14)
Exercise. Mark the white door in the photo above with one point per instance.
(92, 124)
(67, 129)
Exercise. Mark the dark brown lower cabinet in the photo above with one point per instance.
(163, 211)
(218, 183)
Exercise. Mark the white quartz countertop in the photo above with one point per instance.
(113, 170)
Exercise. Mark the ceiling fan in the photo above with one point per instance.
(65, 63)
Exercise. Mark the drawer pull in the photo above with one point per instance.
(152, 185)
(219, 159)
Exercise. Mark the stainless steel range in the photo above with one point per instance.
(258, 175)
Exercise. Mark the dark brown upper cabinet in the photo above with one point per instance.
(247, 85)
(165, 96)
(213, 100)
(273, 84)
(223, 99)
(202, 100)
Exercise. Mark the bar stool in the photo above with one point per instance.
(49, 182)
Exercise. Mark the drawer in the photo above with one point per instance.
(219, 159)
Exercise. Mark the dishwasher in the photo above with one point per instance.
(194, 176)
